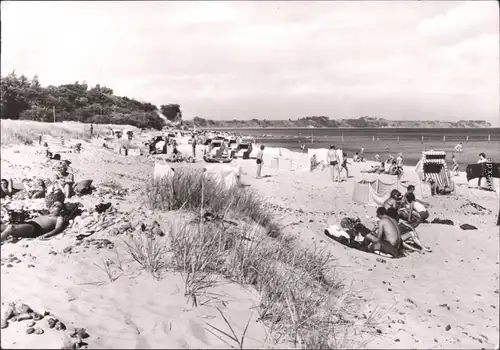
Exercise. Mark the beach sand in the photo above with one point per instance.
(444, 299)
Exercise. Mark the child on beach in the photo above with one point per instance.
(455, 165)
(260, 161)
(344, 164)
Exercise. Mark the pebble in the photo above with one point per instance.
(36, 316)
(67, 249)
(31, 324)
(38, 331)
(30, 330)
(447, 328)
(31, 265)
(60, 326)
(51, 322)
(8, 265)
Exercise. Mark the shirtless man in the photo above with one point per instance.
(386, 238)
(333, 160)
(43, 226)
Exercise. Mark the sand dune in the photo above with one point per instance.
(417, 297)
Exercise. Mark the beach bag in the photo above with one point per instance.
(83, 187)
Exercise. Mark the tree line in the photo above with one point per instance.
(27, 99)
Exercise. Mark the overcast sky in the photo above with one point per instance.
(275, 60)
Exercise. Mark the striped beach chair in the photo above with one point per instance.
(432, 166)
(56, 143)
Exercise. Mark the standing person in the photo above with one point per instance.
(91, 130)
(455, 166)
(344, 164)
(260, 161)
(482, 159)
(333, 160)
(193, 143)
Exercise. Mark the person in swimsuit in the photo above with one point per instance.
(344, 164)
(386, 237)
(407, 232)
(43, 226)
(334, 163)
(260, 161)
(314, 163)
(414, 212)
(37, 190)
(455, 166)
(6, 189)
(394, 200)
(64, 179)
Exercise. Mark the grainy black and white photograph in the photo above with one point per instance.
(250, 174)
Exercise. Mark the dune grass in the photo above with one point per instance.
(27, 131)
(303, 300)
(190, 189)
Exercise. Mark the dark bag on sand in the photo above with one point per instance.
(468, 227)
(83, 187)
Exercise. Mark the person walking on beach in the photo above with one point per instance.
(193, 143)
(455, 165)
(333, 160)
(260, 161)
(482, 159)
(344, 164)
(91, 130)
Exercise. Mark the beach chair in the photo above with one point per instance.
(432, 166)
(56, 144)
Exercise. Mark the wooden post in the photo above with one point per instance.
(398, 138)
(342, 138)
(54, 112)
(489, 138)
(467, 139)
(444, 138)
(422, 139)
(373, 140)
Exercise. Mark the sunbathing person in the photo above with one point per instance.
(394, 200)
(407, 232)
(43, 226)
(379, 169)
(386, 238)
(314, 163)
(414, 212)
(64, 179)
(442, 190)
(411, 189)
(6, 189)
(37, 190)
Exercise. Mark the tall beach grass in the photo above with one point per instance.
(27, 131)
(303, 301)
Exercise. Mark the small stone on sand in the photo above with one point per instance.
(30, 330)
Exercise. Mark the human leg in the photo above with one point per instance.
(19, 230)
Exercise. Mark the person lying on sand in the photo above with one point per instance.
(64, 179)
(414, 212)
(378, 169)
(314, 163)
(6, 189)
(43, 227)
(407, 232)
(36, 189)
(442, 190)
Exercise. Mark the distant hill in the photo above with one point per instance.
(325, 122)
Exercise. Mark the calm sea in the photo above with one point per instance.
(382, 141)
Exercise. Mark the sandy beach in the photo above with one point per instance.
(447, 298)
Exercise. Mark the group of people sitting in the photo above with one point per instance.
(391, 166)
(62, 187)
(397, 220)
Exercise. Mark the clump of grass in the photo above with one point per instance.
(302, 298)
(148, 252)
(191, 190)
(27, 131)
